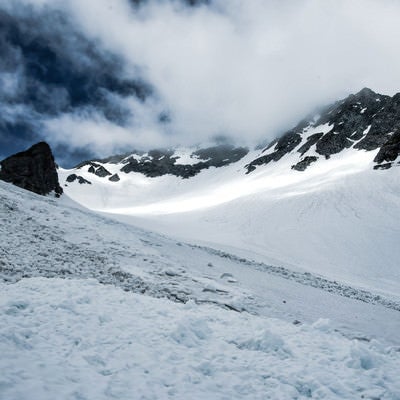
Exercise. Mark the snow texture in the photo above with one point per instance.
(77, 339)
(92, 308)
(337, 219)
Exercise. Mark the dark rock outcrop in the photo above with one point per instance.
(33, 169)
(364, 120)
(114, 178)
(73, 177)
(95, 168)
(284, 145)
(303, 164)
(102, 172)
(311, 140)
(383, 122)
(332, 143)
(390, 150)
(383, 166)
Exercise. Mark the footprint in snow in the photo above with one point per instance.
(228, 277)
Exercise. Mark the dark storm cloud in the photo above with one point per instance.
(60, 62)
(48, 69)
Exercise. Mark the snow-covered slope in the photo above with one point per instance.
(324, 198)
(77, 339)
(338, 218)
(94, 308)
(345, 229)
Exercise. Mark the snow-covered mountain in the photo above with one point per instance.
(365, 121)
(192, 206)
(275, 274)
(321, 198)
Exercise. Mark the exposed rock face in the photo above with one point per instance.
(162, 162)
(332, 143)
(102, 172)
(303, 164)
(385, 121)
(363, 121)
(283, 146)
(96, 169)
(390, 150)
(73, 177)
(33, 169)
(114, 178)
(383, 166)
(311, 140)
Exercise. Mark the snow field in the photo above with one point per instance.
(41, 237)
(337, 219)
(78, 339)
(115, 325)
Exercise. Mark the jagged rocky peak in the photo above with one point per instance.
(365, 95)
(181, 162)
(33, 169)
(362, 121)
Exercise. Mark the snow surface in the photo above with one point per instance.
(77, 339)
(92, 308)
(185, 156)
(339, 218)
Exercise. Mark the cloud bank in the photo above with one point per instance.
(101, 76)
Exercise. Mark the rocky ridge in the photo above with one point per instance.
(161, 162)
(364, 121)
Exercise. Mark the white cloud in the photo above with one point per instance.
(245, 68)
(88, 129)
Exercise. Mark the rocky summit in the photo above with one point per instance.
(33, 169)
(364, 121)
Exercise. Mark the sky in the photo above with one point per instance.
(99, 77)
